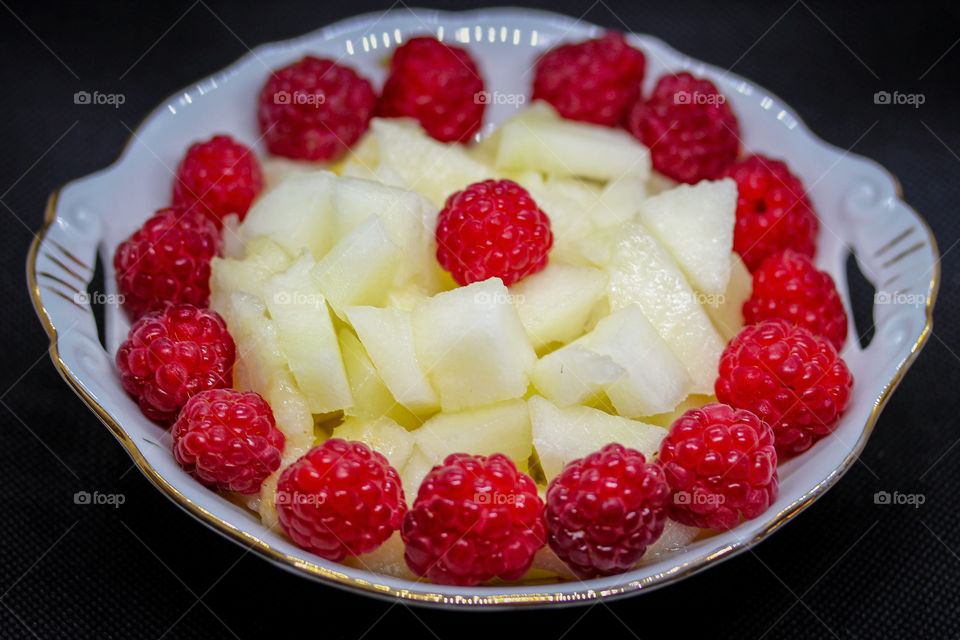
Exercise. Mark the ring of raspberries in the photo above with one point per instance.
(469, 519)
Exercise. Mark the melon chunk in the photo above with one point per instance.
(498, 428)
(383, 435)
(371, 398)
(726, 310)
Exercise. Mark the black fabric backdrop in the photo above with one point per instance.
(848, 568)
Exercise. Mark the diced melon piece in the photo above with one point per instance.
(619, 201)
(402, 211)
(642, 272)
(383, 435)
(567, 148)
(726, 310)
(277, 170)
(569, 218)
(498, 428)
(651, 379)
(693, 401)
(563, 435)
(554, 304)
(432, 168)
(387, 335)
(658, 183)
(472, 345)
(265, 365)
(262, 259)
(412, 475)
(695, 224)
(371, 398)
(360, 268)
(386, 559)
(307, 336)
(296, 214)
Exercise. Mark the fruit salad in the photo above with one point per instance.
(560, 349)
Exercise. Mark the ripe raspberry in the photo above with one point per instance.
(340, 499)
(218, 177)
(475, 518)
(690, 129)
(166, 261)
(174, 354)
(593, 81)
(721, 465)
(314, 109)
(793, 380)
(773, 211)
(228, 439)
(604, 510)
(788, 286)
(492, 229)
(438, 85)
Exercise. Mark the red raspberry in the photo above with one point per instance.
(166, 261)
(314, 109)
(228, 439)
(604, 510)
(340, 499)
(475, 518)
(721, 465)
(492, 229)
(218, 177)
(438, 85)
(174, 354)
(793, 380)
(773, 211)
(690, 129)
(788, 286)
(593, 81)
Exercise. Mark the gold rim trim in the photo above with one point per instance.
(583, 596)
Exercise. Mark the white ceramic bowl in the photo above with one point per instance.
(858, 202)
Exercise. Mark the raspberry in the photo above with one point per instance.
(492, 229)
(593, 81)
(721, 465)
(475, 518)
(166, 261)
(218, 177)
(773, 211)
(788, 286)
(604, 510)
(227, 439)
(174, 354)
(438, 85)
(690, 129)
(314, 109)
(340, 499)
(793, 380)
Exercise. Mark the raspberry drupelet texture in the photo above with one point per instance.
(171, 355)
(492, 229)
(340, 499)
(773, 211)
(792, 379)
(475, 518)
(228, 440)
(690, 129)
(218, 177)
(721, 464)
(166, 261)
(787, 285)
(593, 81)
(314, 109)
(439, 86)
(604, 510)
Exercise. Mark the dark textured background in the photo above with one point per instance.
(847, 568)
